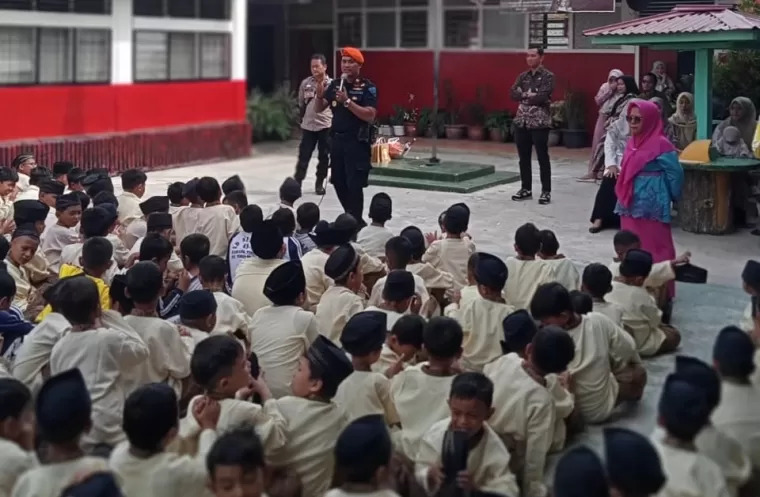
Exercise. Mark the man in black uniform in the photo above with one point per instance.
(353, 100)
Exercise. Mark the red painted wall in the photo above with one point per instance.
(52, 111)
(397, 74)
(648, 57)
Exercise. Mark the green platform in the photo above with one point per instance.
(447, 176)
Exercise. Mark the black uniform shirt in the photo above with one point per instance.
(361, 92)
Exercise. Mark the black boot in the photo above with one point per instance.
(319, 187)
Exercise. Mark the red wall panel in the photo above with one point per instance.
(648, 57)
(397, 74)
(53, 111)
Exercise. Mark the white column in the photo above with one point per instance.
(239, 14)
(121, 42)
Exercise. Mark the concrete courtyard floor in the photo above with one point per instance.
(700, 310)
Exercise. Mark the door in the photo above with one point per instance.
(305, 42)
(261, 58)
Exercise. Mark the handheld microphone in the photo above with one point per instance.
(342, 80)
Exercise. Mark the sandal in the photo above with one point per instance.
(522, 194)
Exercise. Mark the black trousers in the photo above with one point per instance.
(350, 163)
(526, 139)
(604, 204)
(310, 140)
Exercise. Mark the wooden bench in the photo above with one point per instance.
(706, 205)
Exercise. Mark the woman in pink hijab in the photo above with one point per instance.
(649, 181)
(605, 98)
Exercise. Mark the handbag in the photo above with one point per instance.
(380, 153)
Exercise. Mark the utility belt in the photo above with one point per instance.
(365, 134)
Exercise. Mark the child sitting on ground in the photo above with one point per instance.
(176, 200)
(192, 250)
(402, 345)
(525, 415)
(161, 223)
(419, 392)
(197, 314)
(526, 271)
(450, 254)
(439, 283)
(236, 461)
(286, 221)
(233, 184)
(597, 282)
(8, 180)
(606, 370)
(151, 421)
(230, 314)
(398, 253)
(104, 349)
(96, 222)
(61, 170)
(217, 221)
(307, 217)
(565, 271)
(374, 236)
(290, 192)
(482, 318)
(365, 391)
(74, 180)
(238, 200)
(133, 186)
(398, 296)
(24, 243)
(68, 211)
(480, 450)
(641, 316)
(239, 248)
(16, 432)
(342, 300)
(186, 220)
(582, 303)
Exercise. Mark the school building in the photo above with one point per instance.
(123, 83)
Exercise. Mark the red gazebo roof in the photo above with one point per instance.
(683, 19)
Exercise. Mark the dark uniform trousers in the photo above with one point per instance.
(309, 140)
(350, 163)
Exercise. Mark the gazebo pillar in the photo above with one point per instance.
(703, 69)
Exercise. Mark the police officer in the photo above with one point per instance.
(353, 100)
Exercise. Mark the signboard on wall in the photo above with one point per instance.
(548, 6)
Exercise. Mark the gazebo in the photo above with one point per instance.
(702, 28)
(706, 206)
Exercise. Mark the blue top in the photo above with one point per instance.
(655, 188)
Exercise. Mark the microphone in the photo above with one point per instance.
(342, 80)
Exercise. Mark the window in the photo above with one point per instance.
(175, 56)
(383, 23)
(460, 28)
(78, 6)
(196, 9)
(549, 31)
(54, 55)
(503, 29)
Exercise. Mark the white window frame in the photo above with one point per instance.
(198, 59)
(396, 9)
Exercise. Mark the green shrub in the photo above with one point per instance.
(274, 115)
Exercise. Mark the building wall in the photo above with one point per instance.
(153, 90)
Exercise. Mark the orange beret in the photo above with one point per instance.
(354, 53)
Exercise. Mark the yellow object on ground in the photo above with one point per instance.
(68, 270)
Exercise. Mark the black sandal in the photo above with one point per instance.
(522, 194)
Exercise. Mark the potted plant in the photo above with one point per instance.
(385, 127)
(437, 124)
(558, 116)
(397, 120)
(575, 135)
(425, 121)
(411, 116)
(477, 117)
(272, 116)
(454, 129)
(498, 124)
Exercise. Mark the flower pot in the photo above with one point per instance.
(455, 131)
(574, 138)
(555, 137)
(496, 135)
(476, 133)
(410, 129)
(398, 130)
(385, 130)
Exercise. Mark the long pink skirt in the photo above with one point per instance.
(597, 138)
(656, 238)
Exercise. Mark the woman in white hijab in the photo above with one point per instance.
(684, 121)
(663, 84)
(605, 99)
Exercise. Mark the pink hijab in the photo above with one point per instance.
(641, 149)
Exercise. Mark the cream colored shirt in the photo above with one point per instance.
(661, 274)
(166, 473)
(566, 273)
(280, 336)
(120, 251)
(49, 480)
(129, 208)
(335, 308)
(6, 208)
(230, 314)
(641, 316)
(34, 353)
(387, 358)
(174, 265)
(524, 410)
(248, 287)
(20, 276)
(392, 316)
(313, 120)
(487, 462)
(53, 240)
(612, 311)
(376, 296)
(364, 393)
(466, 294)
(367, 263)
(313, 428)
(22, 184)
(317, 282)
(169, 357)
(421, 401)
(524, 278)
(104, 356)
(481, 323)
(737, 417)
(451, 255)
(564, 404)
(373, 239)
(601, 349)
(218, 223)
(31, 192)
(14, 461)
(185, 222)
(431, 276)
(689, 474)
